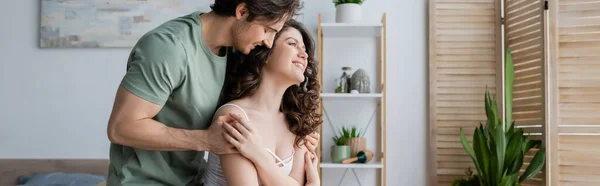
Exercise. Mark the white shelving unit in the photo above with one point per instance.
(354, 106)
(348, 95)
(371, 165)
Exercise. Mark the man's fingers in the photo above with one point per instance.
(233, 132)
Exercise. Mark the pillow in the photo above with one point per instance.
(61, 178)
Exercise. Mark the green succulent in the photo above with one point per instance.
(345, 134)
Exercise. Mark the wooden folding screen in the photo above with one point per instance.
(575, 83)
(525, 36)
(465, 57)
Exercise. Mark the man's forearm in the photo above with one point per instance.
(150, 134)
(269, 172)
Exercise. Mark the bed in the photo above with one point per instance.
(85, 170)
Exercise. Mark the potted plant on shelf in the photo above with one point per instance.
(498, 152)
(339, 151)
(355, 140)
(348, 11)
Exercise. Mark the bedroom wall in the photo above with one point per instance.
(55, 103)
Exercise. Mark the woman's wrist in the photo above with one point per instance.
(261, 158)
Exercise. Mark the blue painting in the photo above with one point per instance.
(107, 23)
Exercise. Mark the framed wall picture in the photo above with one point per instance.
(107, 23)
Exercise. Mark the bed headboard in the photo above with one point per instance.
(11, 169)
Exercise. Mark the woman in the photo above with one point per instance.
(274, 95)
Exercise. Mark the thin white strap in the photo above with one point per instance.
(292, 156)
(279, 160)
(276, 157)
(231, 104)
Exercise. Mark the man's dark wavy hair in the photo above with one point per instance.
(300, 102)
(260, 10)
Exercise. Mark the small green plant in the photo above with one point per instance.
(345, 134)
(338, 2)
(351, 132)
(471, 180)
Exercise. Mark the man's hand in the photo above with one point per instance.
(214, 138)
(312, 142)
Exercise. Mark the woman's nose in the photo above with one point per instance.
(303, 55)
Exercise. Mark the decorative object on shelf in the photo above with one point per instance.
(340, 151)
(348, 11)
(338, 88)
(354, 139)
(364, 156)
(344, 82)
(360, 81)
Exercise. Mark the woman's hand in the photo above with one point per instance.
(311, 161)
(244, 138)
(312, 141)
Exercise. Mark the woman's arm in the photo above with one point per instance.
(242, 135)
(311, 162)
(237, 169)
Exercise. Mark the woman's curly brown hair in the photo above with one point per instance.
(300, 102)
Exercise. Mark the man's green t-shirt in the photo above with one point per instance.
(170, 66)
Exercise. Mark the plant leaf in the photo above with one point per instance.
(353, 132)
(467, 147)
(508, 180)
(534, 166)
(513, 150)
(510, 130)
(481, 152)
(528, 144)
(508, 86)
(500, 150)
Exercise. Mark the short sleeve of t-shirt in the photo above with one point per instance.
(156, 66)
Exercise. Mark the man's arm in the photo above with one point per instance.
(131, 124)
(157, 66)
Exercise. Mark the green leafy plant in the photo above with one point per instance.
(471, 180)
(351, 132)
(498, 152)
(338, 2)
(345, 134)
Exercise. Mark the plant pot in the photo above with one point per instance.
(340, 153)
(348, 13)
(356, 145)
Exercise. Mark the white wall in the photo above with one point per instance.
(54, 103)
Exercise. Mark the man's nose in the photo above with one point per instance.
(267, 43)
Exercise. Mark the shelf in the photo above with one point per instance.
(371, 165)
(344, 30)
(348, 95)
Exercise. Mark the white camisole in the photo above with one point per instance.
(214, 174)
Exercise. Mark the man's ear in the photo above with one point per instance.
(241, 11)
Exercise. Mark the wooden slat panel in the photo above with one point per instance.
(578, 98)
(464, 54)
(525, 38)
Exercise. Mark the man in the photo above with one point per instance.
(163, 109)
